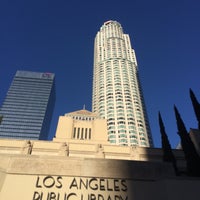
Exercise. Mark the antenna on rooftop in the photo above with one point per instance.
(84, 107)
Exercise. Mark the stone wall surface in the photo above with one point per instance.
(41, 170)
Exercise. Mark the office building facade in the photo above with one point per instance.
(117, 93)
(27, 110)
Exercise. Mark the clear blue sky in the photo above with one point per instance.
(58, 36)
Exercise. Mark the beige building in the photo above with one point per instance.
(81, 125)
(82, 165)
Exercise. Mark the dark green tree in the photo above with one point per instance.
(196, 106)
(191, 156)
(1, 118)
(168, 155)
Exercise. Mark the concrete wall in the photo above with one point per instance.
(47, 170)
(60, 178)
(87, 149)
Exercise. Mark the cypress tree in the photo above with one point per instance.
(196, 106)
(191, 156)
(1, 118)
(168, 155)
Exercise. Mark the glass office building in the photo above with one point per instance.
(117, 93)
(28, 107)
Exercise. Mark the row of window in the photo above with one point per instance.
(28, 98)
(23, 101)
(20, 116)
(82, 133)
(124, 141)
(20, 123)
(14, 130)
(18, 135)
(116, 70)
(32, 80)
(22, 106)
(27, 87)
(22, 119)
(23, 112)
(83, 118)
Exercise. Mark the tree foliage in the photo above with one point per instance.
(191, 156)
(196, 106)
(168, 155)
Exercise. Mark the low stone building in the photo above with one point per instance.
(89, 168)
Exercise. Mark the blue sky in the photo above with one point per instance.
(58, 36)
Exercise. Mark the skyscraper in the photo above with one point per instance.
(117, 93)
(27, 110)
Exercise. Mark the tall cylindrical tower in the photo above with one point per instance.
(117, 93)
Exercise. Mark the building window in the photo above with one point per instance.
(89, 133)
(78, 134)
(86, 133)
(82, 133)
(74, 136)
